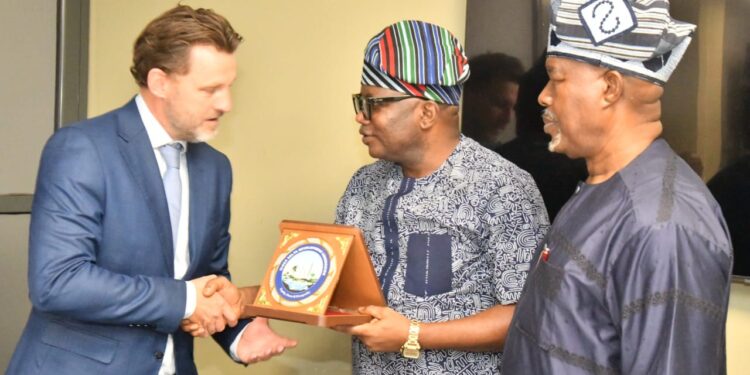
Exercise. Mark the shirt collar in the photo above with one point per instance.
(156, 133)
(445, 170)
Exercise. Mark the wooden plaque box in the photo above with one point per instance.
(319, 275)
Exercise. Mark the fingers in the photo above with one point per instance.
(211, 326)
(343, 329)
(194, 329)
(229, 292)
(259, 342)
(200, 282)
(188, 325)
(230, 315)
(211, 312)
(376, 312)
(215, 285)
(289, 344)
(266, 355)
(360, 330)
(271, 352)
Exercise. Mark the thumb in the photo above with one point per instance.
(214, 285)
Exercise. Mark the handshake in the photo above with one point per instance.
(219, 304)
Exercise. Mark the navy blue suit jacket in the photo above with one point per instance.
(101, 269)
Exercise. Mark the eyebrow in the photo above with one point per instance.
(551, 68)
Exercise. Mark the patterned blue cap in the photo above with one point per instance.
(636, 37)
(419, 59)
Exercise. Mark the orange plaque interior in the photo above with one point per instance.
(319, 275)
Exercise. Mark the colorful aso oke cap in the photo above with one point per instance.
(418, 59)
(635, 37)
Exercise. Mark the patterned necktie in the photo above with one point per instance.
(172, 184)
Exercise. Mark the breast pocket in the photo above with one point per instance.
(428, 264)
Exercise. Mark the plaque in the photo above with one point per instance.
(319, 275)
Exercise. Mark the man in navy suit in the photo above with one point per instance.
(130, 220)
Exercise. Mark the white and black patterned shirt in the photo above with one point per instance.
(446, 246)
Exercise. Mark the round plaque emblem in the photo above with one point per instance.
(302, 271)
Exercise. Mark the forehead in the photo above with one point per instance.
(208, 63)
(507, 88)
(557, 66)
(375, 91)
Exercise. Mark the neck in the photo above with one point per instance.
(432, 157)
(156, 106)
(620, 149)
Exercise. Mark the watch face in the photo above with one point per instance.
(410, 353)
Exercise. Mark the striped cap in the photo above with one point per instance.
(419, 59)
(636, 37)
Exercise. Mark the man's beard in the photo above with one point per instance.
(204, 136)
(551, 120)
(188, 133)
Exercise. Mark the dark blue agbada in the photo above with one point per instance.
(633, 279)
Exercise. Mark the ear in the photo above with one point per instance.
(428, 114)
(614, 86)
(158, 82)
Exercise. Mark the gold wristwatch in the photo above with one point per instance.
(411, 347)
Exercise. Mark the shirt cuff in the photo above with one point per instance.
(235, 344)
(189, 300)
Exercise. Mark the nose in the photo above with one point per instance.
(359, 117)
(544, 98)
(223, 101)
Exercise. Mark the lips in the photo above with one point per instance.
(215, 118)
(550, 122)
(365, 135)
(551, 128)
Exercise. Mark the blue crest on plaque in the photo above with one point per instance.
(302, 272)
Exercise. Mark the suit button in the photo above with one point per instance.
(158, 355)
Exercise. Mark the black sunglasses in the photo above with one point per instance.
(364, 104)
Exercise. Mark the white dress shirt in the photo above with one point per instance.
(158, 138)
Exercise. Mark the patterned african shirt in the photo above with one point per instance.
(634, 279)
(445, 246)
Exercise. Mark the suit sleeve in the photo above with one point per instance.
(219, 263)
(669, 293)
(65, 235)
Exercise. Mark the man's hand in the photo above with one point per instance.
(235, 297)
(386, 332)
(212, 313)
(231, 294)
(260, 343)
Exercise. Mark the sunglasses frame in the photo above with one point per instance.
(364, 104)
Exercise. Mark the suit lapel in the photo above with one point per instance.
(136, 149)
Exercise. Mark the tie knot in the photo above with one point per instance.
(171, 154)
